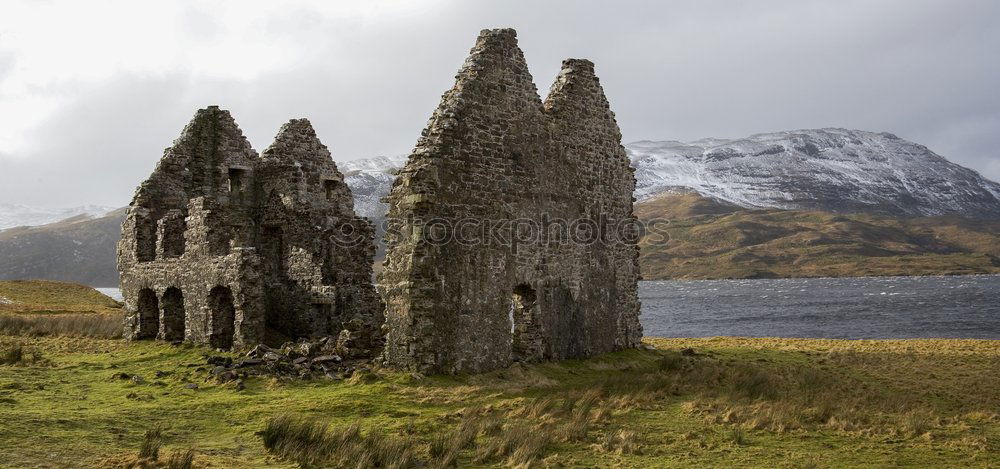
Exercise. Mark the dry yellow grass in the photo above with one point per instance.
(104, 326)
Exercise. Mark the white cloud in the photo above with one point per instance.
(108, 84)
(60, 48)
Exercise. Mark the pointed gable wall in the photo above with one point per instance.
(239, 243)
(492, 153)
(316, 277)
(197, 163)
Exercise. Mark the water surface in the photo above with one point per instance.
(836, 308)
(833, 308)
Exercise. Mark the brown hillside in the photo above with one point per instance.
(705, 239)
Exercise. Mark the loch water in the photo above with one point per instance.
(833, 308)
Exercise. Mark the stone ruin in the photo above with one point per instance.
(510, 233)
(220, 246)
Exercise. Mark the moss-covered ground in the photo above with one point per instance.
(720, 402)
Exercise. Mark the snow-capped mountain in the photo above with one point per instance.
(22, 215)
(370, 180)
(830, 169)
(835, 170)
(78, 249)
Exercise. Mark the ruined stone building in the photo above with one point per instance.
(220, 246)
(495, 157)
(510, 232)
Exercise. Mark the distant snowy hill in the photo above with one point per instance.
(22, 215)
(831, 170)
(835, 170)
(370, 180)
(79, 249)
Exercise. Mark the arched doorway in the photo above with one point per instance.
(149, 314)
(173, 314)
(223, 317)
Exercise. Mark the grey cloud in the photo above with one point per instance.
(925, 70)
(6, 64)
(199, 23)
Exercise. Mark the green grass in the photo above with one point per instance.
(49, 297)
(734, 402)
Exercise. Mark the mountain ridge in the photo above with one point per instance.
(81, 248)
(15, 215)
(832, 169)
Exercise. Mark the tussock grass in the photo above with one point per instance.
(148, 455)
(310, 443)
(728, 402)
(738, 436)
(518, 444)
(837, 389)
(101, 326)
(181, 460)
(18, 354)
(150, 448)
(515, 437)
(445, 447)
(620, 442)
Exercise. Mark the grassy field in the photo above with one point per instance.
(42, 308)
(48, 297)
(86, 402)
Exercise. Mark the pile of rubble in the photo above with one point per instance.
(327, 357)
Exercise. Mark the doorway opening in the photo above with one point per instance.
(149, 314)
(173, 315)
(223, 319)
(525, 332)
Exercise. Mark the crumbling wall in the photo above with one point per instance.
(227, 244)
(318, 253)
(473, 278)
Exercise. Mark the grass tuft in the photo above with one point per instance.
(621, 442)
(181, 460)
(150, 447)
(310, 442)
(518, 444)
(18, 354)
(738, 436)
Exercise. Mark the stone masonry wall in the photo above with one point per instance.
(220, 245)
(494, 154)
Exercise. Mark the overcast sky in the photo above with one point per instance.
(91, 92)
